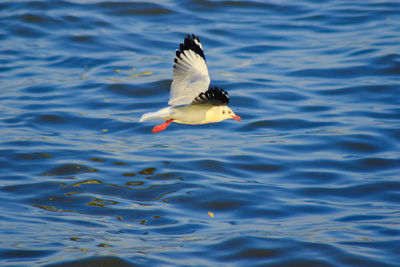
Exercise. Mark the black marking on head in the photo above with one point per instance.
(190, 44)
(214, 96)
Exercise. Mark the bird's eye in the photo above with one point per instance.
(229, 112)
(223, 112)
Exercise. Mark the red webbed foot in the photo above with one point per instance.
(162, 126)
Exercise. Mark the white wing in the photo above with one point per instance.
(190, 72)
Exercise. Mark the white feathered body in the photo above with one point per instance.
(192, 114)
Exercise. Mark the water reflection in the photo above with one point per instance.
(131, 200)
(69, 169)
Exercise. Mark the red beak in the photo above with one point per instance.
(236, 117)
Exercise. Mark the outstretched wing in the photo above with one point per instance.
(190, 72)
(214, 96)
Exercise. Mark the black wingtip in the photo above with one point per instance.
(191, 42)
(213, 96)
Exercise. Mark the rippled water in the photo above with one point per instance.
(310, 177)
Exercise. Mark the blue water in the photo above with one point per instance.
(310, 177)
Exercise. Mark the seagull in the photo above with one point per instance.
(192, 100)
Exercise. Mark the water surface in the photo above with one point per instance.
(310, 177)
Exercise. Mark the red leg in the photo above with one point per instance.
(162, 126)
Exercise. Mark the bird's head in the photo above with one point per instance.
(227, 113)
(219, 113)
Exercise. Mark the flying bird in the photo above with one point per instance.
(192, 100)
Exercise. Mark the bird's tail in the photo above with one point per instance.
(161, 114)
